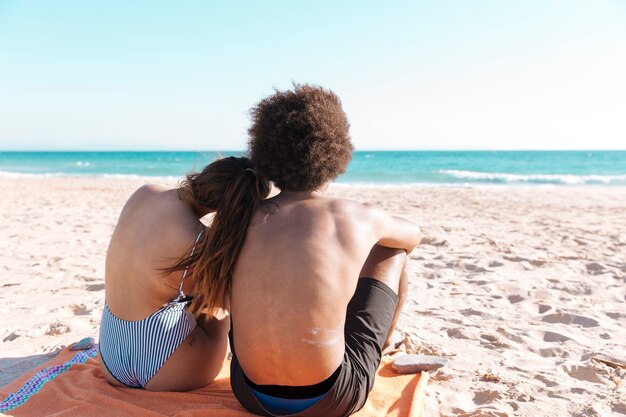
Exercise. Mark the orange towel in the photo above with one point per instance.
(81, 390)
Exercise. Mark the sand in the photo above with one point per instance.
(519, 287)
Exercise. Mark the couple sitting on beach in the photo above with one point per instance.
(308, 288)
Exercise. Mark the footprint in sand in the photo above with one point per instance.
(493, 340)
(514, 299)
(510, 336)
(525, 261)
(79, 309)
(413, 345)
(471, 312)
(566, 318)
(474, 268)
(547, 381)
(434, 241)
(12, 336)
(23, 333)
(95, 287)
(595, 268)
(619, 406)
(553, 352)
(57, 328)
(53, 350)
(551, 337)
(90, 279)
(456, 334)
(583, 373)
(54, 260)
(486, 396)
(536, 308)
(490, 337)
(544, 308)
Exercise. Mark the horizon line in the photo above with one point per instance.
(356, 150)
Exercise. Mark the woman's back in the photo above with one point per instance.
(155, 229)
(148, 337)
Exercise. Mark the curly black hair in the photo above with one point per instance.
(299, 139)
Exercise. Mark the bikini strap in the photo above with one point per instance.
(181, 294)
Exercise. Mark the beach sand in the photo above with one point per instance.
(519, 287)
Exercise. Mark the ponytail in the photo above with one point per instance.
(233, 190)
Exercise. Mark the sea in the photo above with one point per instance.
(428, 168)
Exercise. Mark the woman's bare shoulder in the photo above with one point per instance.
(157, 223)
(150, 189)
(146, 194)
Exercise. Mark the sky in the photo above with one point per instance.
(439, 74)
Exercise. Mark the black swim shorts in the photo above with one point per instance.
(368, 319)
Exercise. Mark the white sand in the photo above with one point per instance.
(519, 287)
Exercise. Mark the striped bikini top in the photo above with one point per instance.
(134, 351)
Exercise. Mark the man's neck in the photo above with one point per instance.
(302, 195)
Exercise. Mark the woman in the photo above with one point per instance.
(154, 333)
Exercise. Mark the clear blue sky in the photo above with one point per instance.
(439, 74)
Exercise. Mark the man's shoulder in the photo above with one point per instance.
(343, 204)
(343, 207)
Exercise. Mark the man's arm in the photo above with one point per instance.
(394, 232)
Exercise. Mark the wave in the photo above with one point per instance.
(142, 177)
(445, 178)
(10, 174)
(566, 179)
(168, 178)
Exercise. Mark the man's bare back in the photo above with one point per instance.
(316, 283)
(294, 278)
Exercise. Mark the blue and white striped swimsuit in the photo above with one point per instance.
(133, 351)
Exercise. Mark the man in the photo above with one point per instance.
(320, 281)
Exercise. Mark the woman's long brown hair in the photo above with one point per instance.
(232, 189)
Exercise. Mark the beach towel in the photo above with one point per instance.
(72, 384)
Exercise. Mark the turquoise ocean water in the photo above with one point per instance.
(367, 167)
